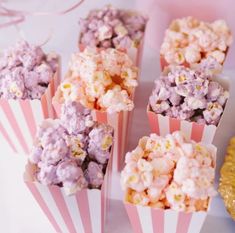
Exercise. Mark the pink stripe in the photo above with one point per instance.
(133, 217)
(174, 124)
(158, 220)
(52, 91)
(83, 206)
(183, 222)
(43, 205)
(101, 117)
(61, 204)
(81, 47)
(121, 148)
(8, 112)
(197, 131)
(57, 108)
(153, 121)
(44, 106)
(7, 137)
(28, 114)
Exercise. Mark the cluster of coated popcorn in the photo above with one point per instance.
(112, 28)
(72, 152)
(25, 71)
(102, 80)
(190, 94)
(169, 172)
(227, 179)
(188, 40)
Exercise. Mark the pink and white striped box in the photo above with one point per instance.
(19, 118)
(145, 219)
(150, 220)
(163, 125)
(84, 212)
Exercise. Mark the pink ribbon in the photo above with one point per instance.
(17, 16)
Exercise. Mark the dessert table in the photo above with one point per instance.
(19, 212)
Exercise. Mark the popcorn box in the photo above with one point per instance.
(149, 220)
(84, 212)
(135, 53)
(145, 219)
(19, 118)
(163, 125)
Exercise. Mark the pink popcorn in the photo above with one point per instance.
(47, 174)
(25, 71)
(185, 93)
(188, 40)
(103, 80)
(169, 172)
(213, 113)
(117, 28)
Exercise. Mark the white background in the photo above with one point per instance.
(19, 213)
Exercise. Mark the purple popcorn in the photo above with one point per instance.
(189, 94)
(100, 142)
(25, 71)
(72, 152)
(47, 174)
(76, 118)
(112, 28)
(94, 174)
(213, 113)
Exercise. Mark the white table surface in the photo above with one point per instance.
(19, 213)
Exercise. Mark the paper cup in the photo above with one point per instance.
(84, 212)
(163, 125)
(145, 219)
(19, 118)
(135, 53)
(150, 220)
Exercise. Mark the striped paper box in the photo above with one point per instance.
(19, 118)
(135, 53)
(84, 212)
(145, 219)
(163, 125)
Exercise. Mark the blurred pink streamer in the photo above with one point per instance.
(17, 16)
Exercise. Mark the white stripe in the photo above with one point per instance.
(74, 212)
(208, 133)
(186, 128)
(125, 128)
(145, 218)
(93, 114)
(163, 125)
(6, 124)
(170, 221)
(132, 53)
(196, 223)
(49, 200)
(94, 200)
(17, 111)
(113, 121)
(37, 111)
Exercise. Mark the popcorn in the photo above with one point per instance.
(25, 71)
(103, 80)
(112, 28)
(169, 172)
(188, 40)
(189, 93)
(73, 151)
